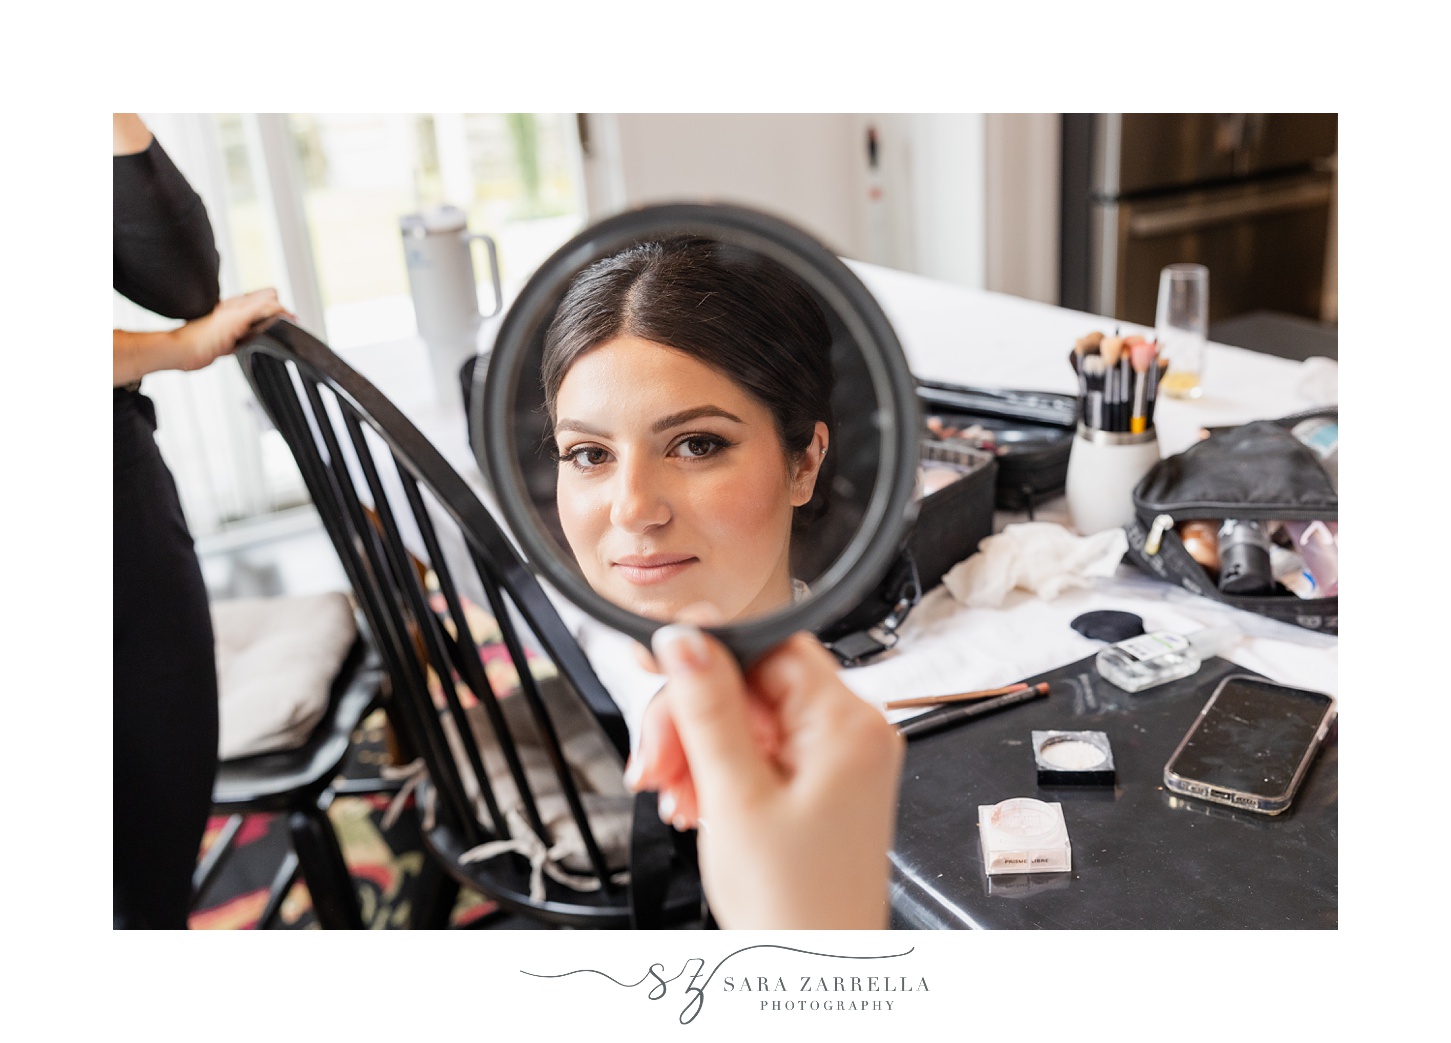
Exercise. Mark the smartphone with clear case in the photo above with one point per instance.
(1252, 744)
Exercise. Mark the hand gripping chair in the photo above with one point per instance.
(520, 748)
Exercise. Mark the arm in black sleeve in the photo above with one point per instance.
(163, 254)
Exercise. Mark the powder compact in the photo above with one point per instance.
(1073, 758)
(1023, 835)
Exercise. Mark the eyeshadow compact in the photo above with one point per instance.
(1073, 758)
(1023, 835)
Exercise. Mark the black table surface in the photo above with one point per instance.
(1143, 858)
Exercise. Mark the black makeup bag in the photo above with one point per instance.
(1257, 471)
(951, 522)
(1029, 432)
(1016, 451)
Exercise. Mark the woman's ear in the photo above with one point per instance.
(808, 466)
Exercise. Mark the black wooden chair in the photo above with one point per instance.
(520, 793)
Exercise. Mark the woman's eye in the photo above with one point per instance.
(698, 446)
(585, 457)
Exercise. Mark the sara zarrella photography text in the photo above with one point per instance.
(819, 984)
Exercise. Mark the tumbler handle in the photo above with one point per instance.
(493, 269)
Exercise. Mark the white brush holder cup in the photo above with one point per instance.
(1103, 468)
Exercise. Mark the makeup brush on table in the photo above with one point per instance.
(1093, 391)
(1083, 348)
(1141, 358)
(1112, 349)
(1075, 359)
(1127, 380)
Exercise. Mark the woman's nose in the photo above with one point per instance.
(640, 502)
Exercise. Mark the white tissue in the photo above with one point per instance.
(1040, 557)
(1319, 383)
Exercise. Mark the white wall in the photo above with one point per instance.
(808, 168)
(1021, 161)
(939, 170)
(962, 197)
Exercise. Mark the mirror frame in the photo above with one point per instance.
(890, 509)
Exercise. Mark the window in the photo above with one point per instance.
(309, 203)
(514, 174)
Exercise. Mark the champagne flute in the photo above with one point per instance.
(1182, 327)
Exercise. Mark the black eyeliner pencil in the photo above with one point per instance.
(949, 716)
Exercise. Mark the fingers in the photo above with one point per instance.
(679, 805)
(240, 313)
(707, 699)
(646, 661)
(798, 673)
(259, 304)
(822, 721)
(659, 760)
(658, 764)
(762, 721)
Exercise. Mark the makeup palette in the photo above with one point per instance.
(1023, 835)
(1073, 758)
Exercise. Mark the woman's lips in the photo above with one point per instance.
(644, 569)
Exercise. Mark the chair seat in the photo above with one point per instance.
(276, 661)
(268, 781)
(506, 879)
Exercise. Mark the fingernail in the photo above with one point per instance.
(667, 807)
(633, 770)
(700, 825)
(680, 646)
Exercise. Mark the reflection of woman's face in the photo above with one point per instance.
(674, 487)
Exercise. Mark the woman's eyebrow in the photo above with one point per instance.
(565, 424)
(687, 415)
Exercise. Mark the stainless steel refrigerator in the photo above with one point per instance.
(1247, 194)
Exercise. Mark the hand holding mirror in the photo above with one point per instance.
(694, 403)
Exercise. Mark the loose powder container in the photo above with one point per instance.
(1073, 759)
(1023, 835)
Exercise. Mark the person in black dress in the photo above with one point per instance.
(165, 681)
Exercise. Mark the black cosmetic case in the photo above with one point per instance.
(1027, 436)
(950, 523)
(1031, 433)
(1257, 471)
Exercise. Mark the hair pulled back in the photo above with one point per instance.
(730, 308)
(733, 309)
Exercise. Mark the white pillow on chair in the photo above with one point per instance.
(276, 661)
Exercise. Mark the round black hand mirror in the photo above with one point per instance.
(700, 403)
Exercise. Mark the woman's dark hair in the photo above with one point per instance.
(733, 309)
